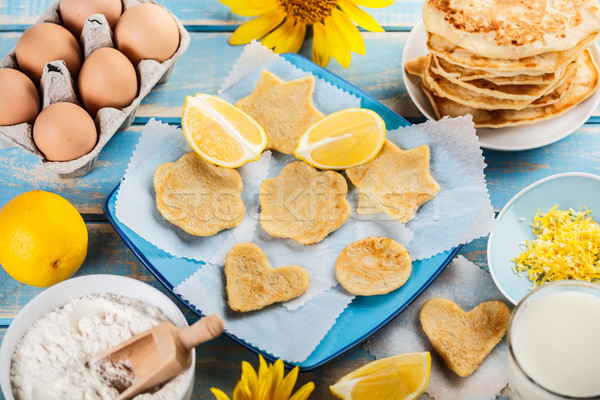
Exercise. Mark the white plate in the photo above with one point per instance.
(512, 138)
(568, 190)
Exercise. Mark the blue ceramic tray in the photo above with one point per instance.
(363, 317)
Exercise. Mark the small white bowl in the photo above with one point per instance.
(58, 295)
(568, 190)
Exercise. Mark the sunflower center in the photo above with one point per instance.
(308, 11)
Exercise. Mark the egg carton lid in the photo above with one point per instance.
(57, 85)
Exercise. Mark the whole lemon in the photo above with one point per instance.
(43, 238)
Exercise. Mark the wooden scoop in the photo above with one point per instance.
(155, 356)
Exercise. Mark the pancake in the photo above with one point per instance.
(444, 88)
(284, 109)
(511, 92)
(372, 266)
(585, 84)
(396, 182)
(512, 29)
(303, 203)
(548, 62)
(466, 74)
(199, 197)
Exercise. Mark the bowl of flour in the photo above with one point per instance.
(47, 352)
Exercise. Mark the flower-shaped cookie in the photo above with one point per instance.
(303, 203)
(199, 197)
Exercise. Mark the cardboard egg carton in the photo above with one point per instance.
(56, 85)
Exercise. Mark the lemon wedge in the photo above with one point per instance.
(342, 140)
(401, 377)
(221, 133)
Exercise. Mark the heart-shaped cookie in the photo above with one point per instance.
(464, 339)
(252, 283)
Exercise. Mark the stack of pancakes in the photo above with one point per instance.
(508, 62)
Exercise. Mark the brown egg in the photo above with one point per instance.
(147, 31)
(47, 42)
(64, 132)
(107, 79)
(74, 13)
(19, 98)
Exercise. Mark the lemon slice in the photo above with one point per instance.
(401, 377)
(221, 133)
(342, 140)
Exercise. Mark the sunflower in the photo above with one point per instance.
(269, 384)
(282, 25)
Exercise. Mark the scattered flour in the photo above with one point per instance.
(52, 360)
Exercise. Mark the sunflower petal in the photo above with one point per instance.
(251, 8)
(359, 16)
(293, 41)
(349, 31)
(257, 28)
(276, 373)
(287, 385)
(242, 392)
(340, 48)
(249, 376)
(219, 394)
(304, 392)
(374, 3)
(263, 368)
(321, 51)
(279, 34)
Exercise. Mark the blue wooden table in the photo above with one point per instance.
(202, 69)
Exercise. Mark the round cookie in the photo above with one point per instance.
(373, 265)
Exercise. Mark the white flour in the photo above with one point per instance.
(51, 360)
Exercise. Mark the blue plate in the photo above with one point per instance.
(363, 317)
(570, 190)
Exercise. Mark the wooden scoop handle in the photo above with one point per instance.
(201, 331)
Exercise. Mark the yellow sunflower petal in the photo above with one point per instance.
(293, 41)
(359, 16)
(340, 48)
(257, 28)
(250, 8)
(374, 3)
(349, 31)
(263, 368)
(304, 392)
(287, 385)
(242, 392)
(219, 394)
(321, 52)
(249, 379)
(276, 372)
(279, 34)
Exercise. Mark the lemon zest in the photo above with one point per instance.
(567, 246)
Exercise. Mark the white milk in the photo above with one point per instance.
(555, 339)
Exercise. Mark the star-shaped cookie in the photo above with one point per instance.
(284, 109)
(396, 182)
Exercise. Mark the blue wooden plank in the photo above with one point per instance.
(206, 12)
(21, 171)
(508, 173)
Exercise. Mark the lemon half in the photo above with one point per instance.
(401, 377)
(341, 140)
(221, 133)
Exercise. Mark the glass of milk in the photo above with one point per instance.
(554, 343)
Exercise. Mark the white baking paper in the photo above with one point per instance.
(440, 225)
(291, 335)
(467, 285)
